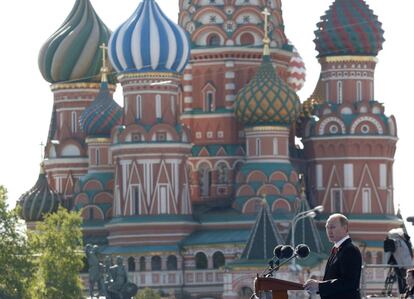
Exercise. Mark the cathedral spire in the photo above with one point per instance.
(266, 39)
(104, 68)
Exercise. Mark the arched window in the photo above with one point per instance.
(205, 180)
(139, 107)
(218, 260)
(201, 261)
(131, 264)
(213, 40)
(222, 173)
(158, 108)
(339, 92)
(156, 263)
(246, 39)
(209, 102)
(172, 263)
(142, 266)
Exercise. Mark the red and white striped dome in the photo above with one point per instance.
(296, 71)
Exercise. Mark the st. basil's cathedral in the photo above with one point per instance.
(198, 176)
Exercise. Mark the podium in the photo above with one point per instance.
(278, 287)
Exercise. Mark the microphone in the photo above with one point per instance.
(286, 252)
(277, 251)
(302, 251)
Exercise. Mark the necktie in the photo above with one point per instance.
(334, 250)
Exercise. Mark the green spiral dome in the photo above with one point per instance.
(267, 99)
(72, 53)
(39, 200)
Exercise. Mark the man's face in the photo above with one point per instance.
(335, 231)
(410, 279)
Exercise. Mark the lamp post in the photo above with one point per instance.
(308, 213)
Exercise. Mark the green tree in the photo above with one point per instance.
(58, 241)
(15, 254)
(147, 293)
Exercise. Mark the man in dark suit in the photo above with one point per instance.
(343, 268)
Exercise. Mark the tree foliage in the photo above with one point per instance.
(15, 253)
(58, 242)
(147, 293)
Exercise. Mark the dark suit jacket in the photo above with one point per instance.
(342, 273)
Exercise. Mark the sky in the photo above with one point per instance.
(26, 99)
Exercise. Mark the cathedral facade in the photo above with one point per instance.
(197, 176)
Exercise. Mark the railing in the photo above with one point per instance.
(176, 278)
(373, 281)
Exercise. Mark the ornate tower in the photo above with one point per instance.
(38, 201)
(226, 39)
(267, 107)
(94, 194)
(350, 143)
(150, 150)
(70, 61)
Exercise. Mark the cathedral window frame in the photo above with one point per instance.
(275, 146)
(97, 156)
(337, 200)
(339, 92)
(359, 91)
(74, 122)
(138, 102)
(348, 175)
(366, 200)
(131, 264)
(209, 98)
(258, 147)
(327, 91)
(135, 201)
(201, 261)
(158, 107)
(319, 176)
(163, 206)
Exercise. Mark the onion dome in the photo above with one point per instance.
(72, 53)
(349, 27)
(148, 41)
(102, 115)
(267, 99)
(39, 200)
(296, 71)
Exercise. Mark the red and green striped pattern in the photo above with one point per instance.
(349, 27)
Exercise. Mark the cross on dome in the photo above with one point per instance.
(266, 40)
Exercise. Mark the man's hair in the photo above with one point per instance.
(411, 272)
(342, 218)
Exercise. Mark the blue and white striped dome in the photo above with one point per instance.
(148, 41)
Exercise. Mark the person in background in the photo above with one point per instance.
(343, 268)
(409, 292)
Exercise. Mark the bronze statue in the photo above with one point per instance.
(112, 280)
(95, 276)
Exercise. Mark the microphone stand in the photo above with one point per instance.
(269, 273)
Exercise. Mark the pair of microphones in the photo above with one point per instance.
(285, 253)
